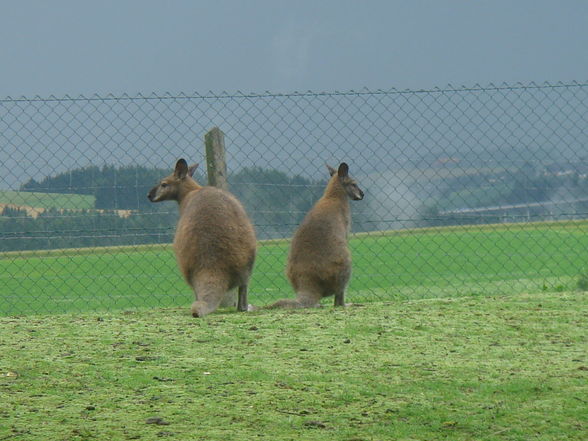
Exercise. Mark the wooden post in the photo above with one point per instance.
(216, 166)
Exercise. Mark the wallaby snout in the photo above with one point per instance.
(163, 192)
(152, 194)
(357, 195)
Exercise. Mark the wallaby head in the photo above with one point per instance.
(175, 186)
(342, 178)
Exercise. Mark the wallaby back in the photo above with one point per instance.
(214, 242)
(319, 261)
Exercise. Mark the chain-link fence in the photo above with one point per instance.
(469, 191)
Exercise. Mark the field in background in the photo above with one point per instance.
(506, 368)
(409, 264)
(47, 200)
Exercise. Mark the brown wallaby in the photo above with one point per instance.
(214, 242)
(319, 262)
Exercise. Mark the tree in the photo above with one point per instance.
(275, 201)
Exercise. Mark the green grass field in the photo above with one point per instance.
(47, 200)
(486, 368)
(410, 264)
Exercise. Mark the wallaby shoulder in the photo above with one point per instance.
(214, 203)
(328, 215)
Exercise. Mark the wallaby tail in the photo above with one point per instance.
(209, 290)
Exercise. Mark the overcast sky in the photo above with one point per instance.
(77, 47)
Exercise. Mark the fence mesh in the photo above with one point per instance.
(469, 191)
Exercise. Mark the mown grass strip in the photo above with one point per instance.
(484, 368)
(423, 263)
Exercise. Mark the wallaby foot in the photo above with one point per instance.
(229, 300)
(285, 303)
(295, 303)
(242, 304)
(309, 299)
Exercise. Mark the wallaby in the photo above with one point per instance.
(319, 262)
(214, 241)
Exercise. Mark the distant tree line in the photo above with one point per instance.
(115, 188)
(275, 201)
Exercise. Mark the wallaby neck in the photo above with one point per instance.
(337, 195)
(187, 187)
(334, 188)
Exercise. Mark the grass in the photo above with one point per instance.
(469, 368)
(47, 200)
(409, 264)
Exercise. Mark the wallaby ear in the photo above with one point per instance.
(332, 171)
(181, 170)
(192, 169)
(343, 171)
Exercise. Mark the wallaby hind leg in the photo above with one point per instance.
(340, 298)
(309, 299)
(242, 304)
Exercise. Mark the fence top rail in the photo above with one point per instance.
(267, 94)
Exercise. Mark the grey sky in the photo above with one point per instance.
(84, 47)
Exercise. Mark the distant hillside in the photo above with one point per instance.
(46, 200)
